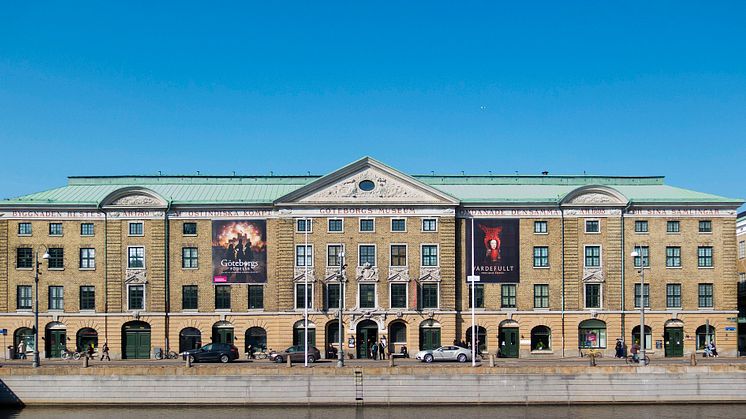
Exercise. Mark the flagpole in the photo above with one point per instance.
(305, 294)
(473, 301)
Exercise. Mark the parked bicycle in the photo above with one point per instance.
(631, 360)
(66, 354)
(161, 354)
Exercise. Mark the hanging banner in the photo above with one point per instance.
(496, 252)
(239, 251)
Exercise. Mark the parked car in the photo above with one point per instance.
(445, 353)
(296, 353)
(223, 352)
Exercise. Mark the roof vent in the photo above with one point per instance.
(545, 173)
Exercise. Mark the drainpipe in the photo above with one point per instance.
(106, 271)
(562, 223)
(167, 271)
(624, 255)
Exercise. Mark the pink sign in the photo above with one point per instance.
(220, 278)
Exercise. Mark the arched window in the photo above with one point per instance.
(397, 335)
(648, 336)
(704, 336)
(429, 335)
(257, 338)
(541, 338)
(481, 338)
(222, 332)
(26, 335)
(86, 338)
(189, 338)
(299, 333)
(592, 334)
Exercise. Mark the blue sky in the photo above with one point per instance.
(604, 88)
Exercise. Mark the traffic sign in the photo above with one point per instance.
(3, 332)
(472, 278)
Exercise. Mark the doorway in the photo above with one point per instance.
(673, 337)
(55, 340)
(508, 337)
(136, 340)
(367, 335)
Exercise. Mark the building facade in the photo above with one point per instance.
(741, 269)
(174, 262)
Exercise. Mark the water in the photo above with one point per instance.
(708, 411)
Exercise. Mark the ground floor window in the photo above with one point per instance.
(592, 334)
(86, 338)
(256, 337)
(648, 336)
(299, 333)
(541, 338)
(481, 338)
(705, 335)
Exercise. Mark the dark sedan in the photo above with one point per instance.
(223, 352)
(296, 353)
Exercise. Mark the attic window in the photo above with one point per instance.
(367, 185)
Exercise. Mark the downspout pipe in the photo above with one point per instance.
(106, 270)
(562, 225)
(167, 271)
(624, 262)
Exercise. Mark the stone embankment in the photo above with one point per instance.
(244, 385)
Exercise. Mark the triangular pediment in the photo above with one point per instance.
(367, 182)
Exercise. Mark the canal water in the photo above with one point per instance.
(707, 411)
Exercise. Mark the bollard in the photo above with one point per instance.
(693, 359)
(290, 362)
(492, 360)
(188, 361)
(85, 362)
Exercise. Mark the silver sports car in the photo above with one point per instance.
(445, 353)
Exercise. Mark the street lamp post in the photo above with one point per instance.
(340, 352)
(635, 254)
(37, 361)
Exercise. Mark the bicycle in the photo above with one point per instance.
(263, 354)
(630, 360)
(166, 355)
(66, 354)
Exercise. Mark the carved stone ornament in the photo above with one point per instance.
(593, 275)
(386, 188)
(399, 274)
(366, 273)
(332, 274)
(429, 274)
(593, 198)
(136, 201)
(136, 276)
(300, 275)
(136, 315)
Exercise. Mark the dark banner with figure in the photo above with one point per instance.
(495, 246)
(239, 251)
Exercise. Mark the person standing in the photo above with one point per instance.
(105, 352)
(384, 346)
(22, 349)
(618, 348)
(374, 350)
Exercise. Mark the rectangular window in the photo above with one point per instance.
(367, 295)
(742, 249)
(398, 295)
(24, 257)
(189, 298)
(429, 296)
(643, 256)
(705, 295)
(672, 227)
(24, 229)
(592, 295)
(135, 257)
(673, 295)
(189, 258)
(189, 229)
(56, 298)
(222, 297)
(304, 225)
(136, 297)
(541, 257)
(540, 227)
(541, 296)
(87, 258)
(398, 255)
(507, 293)
(56, 258)
(429, 224)
(592, 226)
(673, 257)
(300, 296)
(86, 229)
(55, 229)
(367, 255)
(645, 297)
(704, 256)
(478, 297)
(256, 297)
(332, 295)
(705, 226)
(23, 297)
(335, 225)
(641, 226)
(399, 224)
(87, 297)
(334, 255)
(136, 229)
(367, 225)
(304, 255)
(429, 255)
(593, 256)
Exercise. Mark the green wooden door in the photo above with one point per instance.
(674, 341)
(367, 335)
(56, 340)
(222, 335)
(509, 342)
(429, 338)
(136, 343)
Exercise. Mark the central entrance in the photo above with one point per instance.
(367, 335)
(136, 340)
(673, 338)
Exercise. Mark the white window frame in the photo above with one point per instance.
(585, 225)
(144, 264)
(144, 294)
(600, 255)
(422, 225)
(360, 225)
(375, 254)
(295, 294)
(90, 268)
(305, 260)
(375, 295)
(342, 246)
(87, 235)
(406, 293)
(62, 229)
(546, 223)
(31, 227)
(129, 223)
(600, 295)
(49, 298)
(406, 255)
(309, 225)
(391, 225)
(328, 224)
(437, 249)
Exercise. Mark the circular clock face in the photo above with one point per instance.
(366, 185)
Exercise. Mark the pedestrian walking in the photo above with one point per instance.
(90, 351)
(619, 349)
(374, 350)
(105, 352)
(22, 349)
